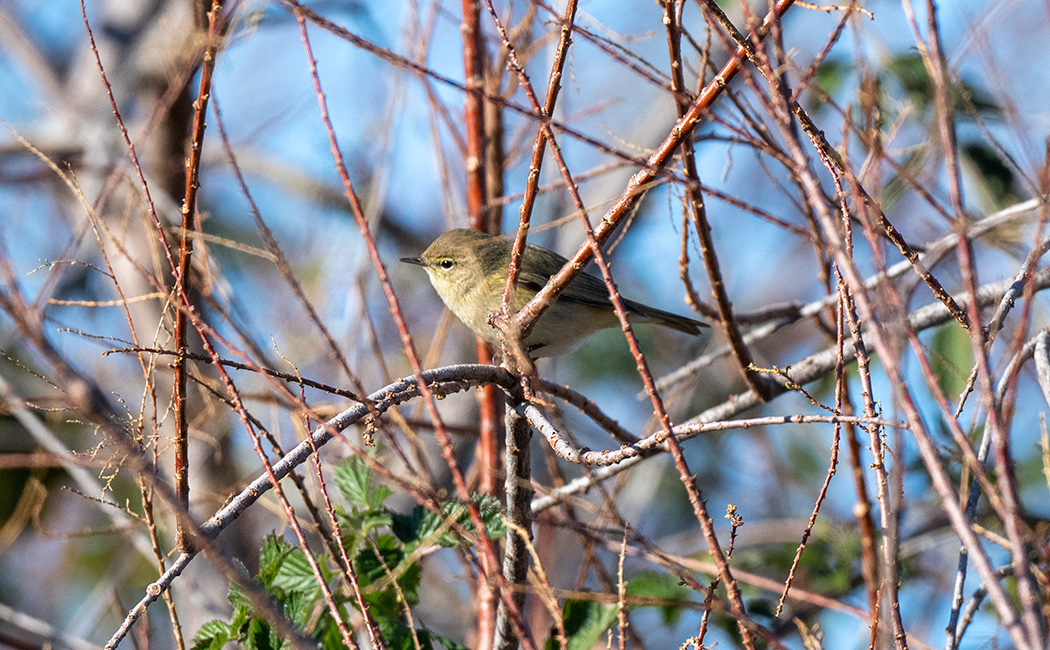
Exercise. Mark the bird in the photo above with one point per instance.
(468, 269)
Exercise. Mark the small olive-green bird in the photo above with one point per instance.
(469, 271)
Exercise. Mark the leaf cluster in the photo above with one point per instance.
(387, 561)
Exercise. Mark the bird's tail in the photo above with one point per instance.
(667, 319)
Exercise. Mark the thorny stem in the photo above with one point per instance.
(857, 289)
(840, 382)
(539, 147)
(682, 130)
(95, 407)
(216, 26)
(862, 510)
(698, 215)
(439, 381)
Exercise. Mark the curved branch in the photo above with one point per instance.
(442, 381)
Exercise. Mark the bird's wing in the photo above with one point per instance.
(585, 288)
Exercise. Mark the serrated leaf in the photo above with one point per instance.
(211, 636)
(491, 511)
(259, 636)
(241, 615)
(434, 529)
(375, 572)
(360, 522)
(370, 568)
(298, 606)
(237, 597)
(399, 637)
(379, 495)
(271, 555)
(353, 477)
(295, 574)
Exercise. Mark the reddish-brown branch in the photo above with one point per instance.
(840, 382)
(216, 28)
(518, 433)
(862, 509)
(681, 131)
(92, 405)
(539, 147)
(697, 212)
(885, 346)
(474, 113)
(346, 567)
(488, 449)
(184, 308)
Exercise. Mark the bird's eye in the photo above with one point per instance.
(446, 264)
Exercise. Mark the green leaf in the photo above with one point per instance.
(407, 527)
(379, 495)
(491, 515)
(271, 556)
(260, 637)
(369, 567)
(241, 615)
(996, 179)
(298, 606)
(444, 640)
(912, 75)
(399, 637)
(353, 477)
(585, 621)
(295, 574)
(212, 636)
(910, 71)
(360, 522)
(332, 639)
(829, 563)
(952, 358)
(434, 529)
(373, 570)
(831, 76)
(236, 597)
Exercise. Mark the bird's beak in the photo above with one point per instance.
(418, 261)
